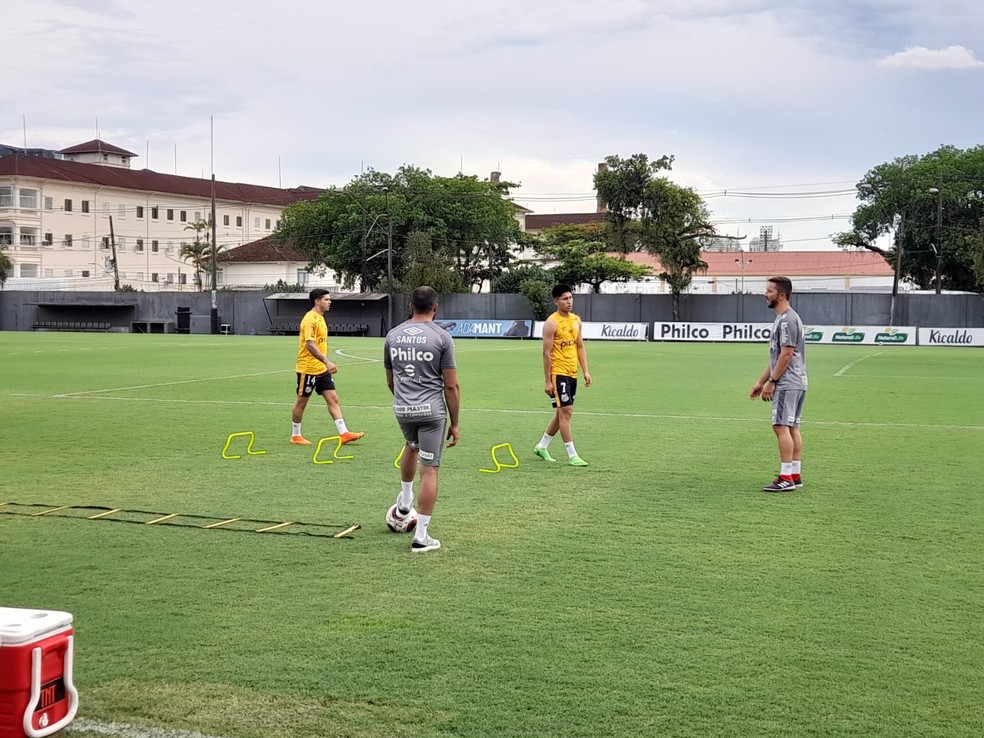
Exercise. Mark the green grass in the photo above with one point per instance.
(656, 592)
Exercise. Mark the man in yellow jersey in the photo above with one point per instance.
(314, 371)
(563, 350)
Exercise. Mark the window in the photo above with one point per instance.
(68, 205)
(122, 211)
(105, 242)
(29, 270)
(106, 209)
(49, 203)
(183, 216)
(85, 272)
(182, 279)
(6, 235)
(225, 220)
(277, 224)
(69, 273)
(154, 212)
(139, 276)
(139, 246)
(85, 206)
(267, 224)
(49, 272)
(218, 277)
(28, 236)
(169, 248)
(49, 239)
(6, 197)
(154, 277)
(198, 215)
(29, 199)
(140, 211)
(121, 243)
(302, 276)
(239, 221)
(68, 240)
(155, 246)
(170, 277)
(256, 222)
(170, 213)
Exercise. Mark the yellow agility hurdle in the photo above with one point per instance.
(249, 446)
(338, 447)
(499, 466)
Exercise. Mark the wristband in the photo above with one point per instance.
(774, 381)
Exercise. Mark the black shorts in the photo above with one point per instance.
(564, 390)
(308, 383)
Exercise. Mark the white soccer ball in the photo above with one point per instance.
(401, 523)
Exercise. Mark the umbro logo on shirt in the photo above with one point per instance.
(413, 330)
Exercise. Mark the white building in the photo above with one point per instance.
(60, 219)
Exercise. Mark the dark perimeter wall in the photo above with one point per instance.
(248, 312)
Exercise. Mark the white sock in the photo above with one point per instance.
(786, 469)
(404, 501)
(545, 441)
(796, 468)
(295, 429)
(420, 534)
(340, 424)
(571, 453)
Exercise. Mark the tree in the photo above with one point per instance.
(583, 259)
(932, 205)
(6, 267)
(199, 251)
(470, 223)
(428, 267)
(650, 213)
(508, 282)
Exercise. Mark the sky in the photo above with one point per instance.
(773, 111)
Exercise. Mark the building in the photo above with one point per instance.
(743, 272)
(62, 220)
(268, 261)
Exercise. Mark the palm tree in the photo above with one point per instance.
(199, 251)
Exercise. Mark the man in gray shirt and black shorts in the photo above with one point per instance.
(784, 383)
(422, 375)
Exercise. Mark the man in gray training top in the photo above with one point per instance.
(421, 374)
(784, 383)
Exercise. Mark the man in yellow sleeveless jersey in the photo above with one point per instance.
(314, 370)
(563, 351)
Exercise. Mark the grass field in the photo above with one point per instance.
(657, 592)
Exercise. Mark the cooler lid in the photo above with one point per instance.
(21, 625)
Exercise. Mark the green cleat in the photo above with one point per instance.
(543, 453)
(577, 461)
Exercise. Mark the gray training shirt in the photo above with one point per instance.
(417, 352)
(787, 330)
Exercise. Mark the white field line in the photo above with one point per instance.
(507, 411)
(843, 370)
(82, 726)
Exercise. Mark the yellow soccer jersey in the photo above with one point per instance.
(563, 357)
(313, 328)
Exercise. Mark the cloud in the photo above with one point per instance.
(919, 57)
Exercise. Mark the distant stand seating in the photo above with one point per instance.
(286, 328)
(72, 325)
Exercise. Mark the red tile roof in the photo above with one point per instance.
(148, 181)
(95, 146)
(785, 263)
(539, 222)
(264, 250)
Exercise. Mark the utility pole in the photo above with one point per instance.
(938, 246)
(112, 245)
(215, 303)
(389, 272)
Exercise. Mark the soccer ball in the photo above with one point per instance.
(401, 523)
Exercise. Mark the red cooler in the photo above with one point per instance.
(37, 695)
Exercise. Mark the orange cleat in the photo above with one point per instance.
(300, 441)
(350, 436)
